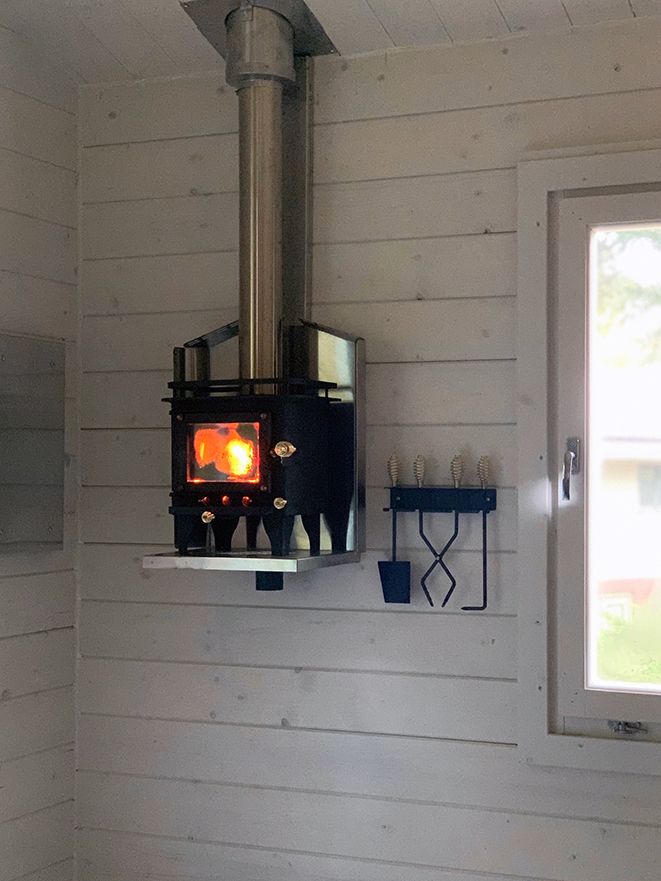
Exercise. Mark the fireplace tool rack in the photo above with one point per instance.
(395, 574)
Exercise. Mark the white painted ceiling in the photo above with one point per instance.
(108, 40)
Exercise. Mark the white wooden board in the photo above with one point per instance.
(443, 645)
(117, 856)
(31, 603)
(35, 842)
(36, 782)
(409, 208)
(144, 110)
(35, 722)
(36, 663)
(422, 706)
(484, 75)
(469, 774)
(559, 849)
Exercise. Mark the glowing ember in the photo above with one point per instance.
(227, 451)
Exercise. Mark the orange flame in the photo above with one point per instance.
(231, 454)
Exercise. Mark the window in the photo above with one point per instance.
(590, 503)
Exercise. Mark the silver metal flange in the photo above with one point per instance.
(309, 36)
(260, 46)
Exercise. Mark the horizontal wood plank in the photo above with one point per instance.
(35, 247)
(33, 74)
(154, 169)
(125, 229)
(468, 646)
(374, 210)
(118, 856)
(482, 20)
(540, 67)
(36, 722)
(420, 706)
(35, 129)
(32, 187)
(428, 330)
(433, 394)
(36, 782)
(470, 140)
(565, 850)
(36, 842)
(33, 455)
(422, 144)
(116, 113)
(37, 306)
(160, 284)
(418, 269)
(125, 400)
(423, 269)
(408, 208)
(30, 603)
(63, 870)
(479, 775)
(36, 662)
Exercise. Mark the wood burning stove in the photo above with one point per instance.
(281, 446)
(269, 459)
(269, 482)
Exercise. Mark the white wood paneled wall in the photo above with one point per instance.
(38, 159)
(316, 735)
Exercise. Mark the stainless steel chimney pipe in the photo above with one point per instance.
(260, 60)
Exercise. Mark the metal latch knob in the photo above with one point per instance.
(207, 516)
(571, 464)
(284, 449)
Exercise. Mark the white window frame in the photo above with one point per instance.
(540, 180)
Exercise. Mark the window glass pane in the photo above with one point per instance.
(624, 459)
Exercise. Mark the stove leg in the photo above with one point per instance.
(312, 525)
(252, 528)
(279, 528)
(338, 526)
(189, 532)
(223, 530)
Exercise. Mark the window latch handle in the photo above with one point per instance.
(571, 464)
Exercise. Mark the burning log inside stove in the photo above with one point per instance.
(224, 452)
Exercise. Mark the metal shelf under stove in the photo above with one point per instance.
(257, 561)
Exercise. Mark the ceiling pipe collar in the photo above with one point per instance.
(260, 46)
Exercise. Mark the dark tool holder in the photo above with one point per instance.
(396, 574)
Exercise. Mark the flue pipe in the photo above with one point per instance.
(260, 60)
